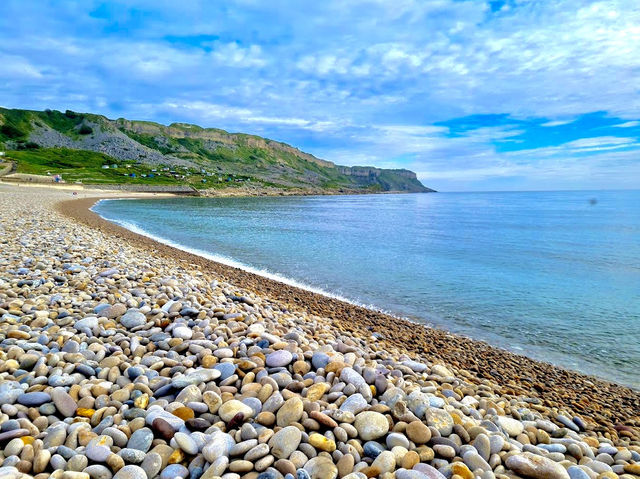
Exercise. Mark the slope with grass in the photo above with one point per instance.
(78, 145)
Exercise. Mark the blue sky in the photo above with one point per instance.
(472, 95)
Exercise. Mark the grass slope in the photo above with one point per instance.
(214, 158)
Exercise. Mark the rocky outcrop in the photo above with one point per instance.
(231, 157)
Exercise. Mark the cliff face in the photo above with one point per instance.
(372, 171)
(258, 159)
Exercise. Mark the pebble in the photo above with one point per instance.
(117, 366)
(229, 409)
(290, 411)
(33, 399)
(141, 439)
(279, 358)
(131, 472)
(321, 467)
(371, 425)
(285, 441)
(186, 443)
(511, 426)
(65, 404)
(536, 467)
(132, 319)
(439, 419)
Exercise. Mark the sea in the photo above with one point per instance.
(551, 275)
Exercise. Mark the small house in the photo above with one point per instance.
(105, 167)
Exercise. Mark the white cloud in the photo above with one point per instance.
(356, 87)
(628, 124)
(232, 54)
(556, 123)
(17, 67)
(602, 141)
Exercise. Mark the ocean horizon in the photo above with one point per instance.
(553, 275)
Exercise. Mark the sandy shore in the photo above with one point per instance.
(607, 404)
(124, 358)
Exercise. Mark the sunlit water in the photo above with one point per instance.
(553, 275)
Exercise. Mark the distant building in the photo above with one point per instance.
(105, 167)
(115, 167)
(1, 153)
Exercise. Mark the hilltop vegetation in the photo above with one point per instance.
(79, 145)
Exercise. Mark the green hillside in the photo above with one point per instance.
(80, 146)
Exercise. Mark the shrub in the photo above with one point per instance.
(85, 130)
(11, 131)
(30, 145)
(70, 114)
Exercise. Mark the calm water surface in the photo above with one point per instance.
(551, 275)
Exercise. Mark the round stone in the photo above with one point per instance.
(131, 472)
(133, 319)
(321, 467)
(536, 467)
(186, 443)
(64, 402)
(285, 441)
(418, 432)
(385, 462)
(226, 370)
(230, 408)
(511, 426)
(291, 411)
(141, 439)
(371, 425)
(33, 399)
(354, 404)
(279, 358)
(395, 439)
(98, 471)
(440, 419)
(174, 471)
(320, 360)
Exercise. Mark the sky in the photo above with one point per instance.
(471, 95)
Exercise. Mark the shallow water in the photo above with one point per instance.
(553, 275)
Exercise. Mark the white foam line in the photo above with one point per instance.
(234, 263)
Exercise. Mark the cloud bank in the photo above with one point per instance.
(511, 94)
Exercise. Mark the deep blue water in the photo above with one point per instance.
(552, 275)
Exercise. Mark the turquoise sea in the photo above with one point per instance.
(552, 275)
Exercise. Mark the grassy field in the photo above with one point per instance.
(86, 166)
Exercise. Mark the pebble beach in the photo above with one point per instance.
(124, 358)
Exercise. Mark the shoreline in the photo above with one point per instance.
(278, 278)
(614, 408)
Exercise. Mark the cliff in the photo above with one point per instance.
(207, 157)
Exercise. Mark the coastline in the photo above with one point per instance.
(614, 409)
